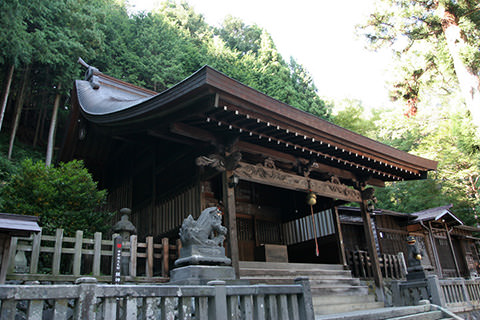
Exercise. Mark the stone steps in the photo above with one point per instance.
(286, 265)
(346, 307)
(320, 283)
(335, 299)
(345, 290)
(422, 312)
(314, 281)
(314, 273)
(333, 288)
(428, 315)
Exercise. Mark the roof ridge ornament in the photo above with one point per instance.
(90, 74)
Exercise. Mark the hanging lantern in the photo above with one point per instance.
(311, 199)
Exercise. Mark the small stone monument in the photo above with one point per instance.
(415, 269)
(202, 256)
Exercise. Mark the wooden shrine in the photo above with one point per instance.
(449, 247)
(13, 225)
(213, 141)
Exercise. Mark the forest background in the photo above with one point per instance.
(434, 83)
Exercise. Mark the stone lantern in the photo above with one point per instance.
(125, 229)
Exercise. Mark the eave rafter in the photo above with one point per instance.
(284, 136)
(306, 150)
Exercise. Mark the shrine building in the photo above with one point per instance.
(277, 173)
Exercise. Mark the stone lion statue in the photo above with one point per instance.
(206, 231)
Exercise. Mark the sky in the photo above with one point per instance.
(319, 34)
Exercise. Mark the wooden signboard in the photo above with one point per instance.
(117, 260)
(273, 177)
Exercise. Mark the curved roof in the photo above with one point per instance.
(209, 101)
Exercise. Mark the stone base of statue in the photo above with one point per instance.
(200, 264)
(416, 275)
(204, 255)
(201, 274)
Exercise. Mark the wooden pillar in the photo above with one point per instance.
(339, 237)
(435, 250)
(231, 221)
(372, 249)
(452, 250)
(4, 255)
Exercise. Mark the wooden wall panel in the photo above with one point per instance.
(171, 212)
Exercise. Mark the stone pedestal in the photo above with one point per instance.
(416, 275)
(201, 274)
(202, 255)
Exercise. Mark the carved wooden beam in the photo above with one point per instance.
(320, 167)
(277, 178)
(219, 162)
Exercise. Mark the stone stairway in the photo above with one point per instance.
(333, 288)
(426, 311)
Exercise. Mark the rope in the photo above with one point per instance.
(314, 232)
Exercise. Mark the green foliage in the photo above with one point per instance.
(240, 37)
(160, 48)
(148, 51)
(444, 134)
(423, 34)
(20, 151)
(15, 38)
(350, 114)
(7, 168)
(401, 132)
(63, 197)
(412, 196)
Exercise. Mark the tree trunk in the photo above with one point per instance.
(39, 121)
(18, 111)
(468, 80)
(42, 124)
(53, 125)
(5, 96)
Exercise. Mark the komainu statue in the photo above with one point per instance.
(415, 268)
(206, 231)
(202, 240)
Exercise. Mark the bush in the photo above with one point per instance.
(62, 197)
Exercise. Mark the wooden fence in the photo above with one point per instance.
(58, 258)
(88, 300)
(391, 265)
